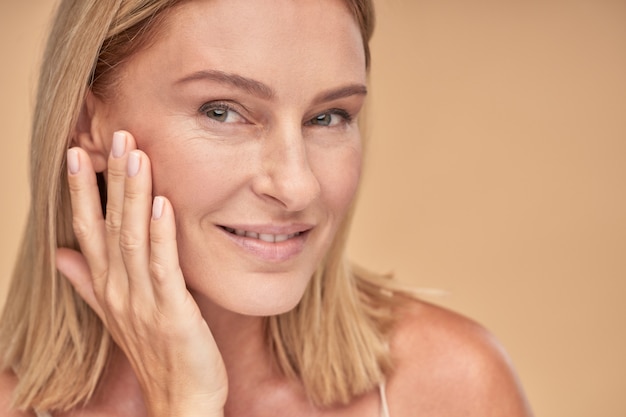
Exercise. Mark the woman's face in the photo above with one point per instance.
(247, 111)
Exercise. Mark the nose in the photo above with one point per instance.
(286, 178)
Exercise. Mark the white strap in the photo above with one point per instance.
(384, 408)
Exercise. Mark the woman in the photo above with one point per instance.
(220, 140)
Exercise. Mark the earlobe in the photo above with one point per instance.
(87, 133)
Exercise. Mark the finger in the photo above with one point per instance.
(121, 145)
(74, 267)
(169, 283)
(87, 218)
(134, 233)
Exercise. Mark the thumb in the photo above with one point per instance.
(73, 265)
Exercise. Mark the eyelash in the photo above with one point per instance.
(227, 107)
(218, 105)
(347, 117)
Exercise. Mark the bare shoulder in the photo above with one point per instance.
(449, 365)
(8, 381)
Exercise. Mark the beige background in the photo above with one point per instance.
(496, 171)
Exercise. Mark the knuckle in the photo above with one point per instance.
(130, 194)
(158, 269)
(158, 238)
(116, 173)
(75, 186)
(113, 220)
(99, 284)
(99, 281)
(82, 228)
(129, 243)
(113, 302)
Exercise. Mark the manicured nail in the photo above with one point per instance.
(73, 164)
(157, 208)
(119, 144)
(133, 163)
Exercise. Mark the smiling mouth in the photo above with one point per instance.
(266, 237)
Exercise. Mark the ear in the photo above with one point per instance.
(88, 133)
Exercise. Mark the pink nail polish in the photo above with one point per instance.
(73, 163)
(119, 144)
(133, 163)
(157, 208)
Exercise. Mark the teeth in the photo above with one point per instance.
(280, 238)
(266, 237)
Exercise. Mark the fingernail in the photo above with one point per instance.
(119, 144)
(73, 164)
(157, 208)
(133, 163)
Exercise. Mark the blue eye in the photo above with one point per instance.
(221, 112)
(331, 118)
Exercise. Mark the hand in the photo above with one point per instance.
(128, 272)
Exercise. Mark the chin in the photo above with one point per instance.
(261, 306)
(274, 308)
(258, 295)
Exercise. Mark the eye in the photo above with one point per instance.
(331, 118)
(221, 112)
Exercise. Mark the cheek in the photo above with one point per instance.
(339, 175)
(196, 176)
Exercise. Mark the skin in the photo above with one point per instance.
(214, 128)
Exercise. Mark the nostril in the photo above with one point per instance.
(287, 178)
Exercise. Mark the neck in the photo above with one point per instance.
(241, 341)
(253, 378)
(255, 383)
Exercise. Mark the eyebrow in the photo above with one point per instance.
(262, 90)
(249, 85)
(341, 92)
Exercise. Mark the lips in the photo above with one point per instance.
(269, 243)
(266, 237)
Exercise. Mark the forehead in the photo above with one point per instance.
(274, 40)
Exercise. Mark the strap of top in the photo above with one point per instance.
(384, 408)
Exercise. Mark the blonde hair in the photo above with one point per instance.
(334, 341)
